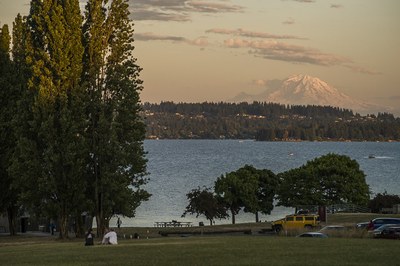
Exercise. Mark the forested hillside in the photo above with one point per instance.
(266, 122)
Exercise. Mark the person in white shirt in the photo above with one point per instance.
(110, 238)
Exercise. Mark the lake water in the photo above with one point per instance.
(177, 166)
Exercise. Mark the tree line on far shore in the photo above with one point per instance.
(326, 180)
(266, 122)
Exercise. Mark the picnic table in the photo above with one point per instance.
(172, 223)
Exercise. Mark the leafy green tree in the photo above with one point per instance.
(383, 200)
(265, 193)
(329, 179)
(8, 100)
(24, 163)
(115, 135)
(204, 202)
(51, 156)
(238, 189)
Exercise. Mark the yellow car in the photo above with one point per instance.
(299, 221)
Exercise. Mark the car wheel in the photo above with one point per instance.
(278, 228)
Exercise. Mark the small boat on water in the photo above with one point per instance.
(371, 156)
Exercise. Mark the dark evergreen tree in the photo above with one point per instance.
(8, 100)
(55, 148)
(116, 131)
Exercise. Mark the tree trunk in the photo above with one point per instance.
(100, 216)
(233, 217)
(257, 218)
(63, 225)
(211, 222)
(79, 226)
(12, 220)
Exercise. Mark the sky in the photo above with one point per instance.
(212, 50)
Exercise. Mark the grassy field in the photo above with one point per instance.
(197, 249)
(221, 250)
(347, 219)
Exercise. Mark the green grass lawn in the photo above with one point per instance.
(210, 250)
(353, 248)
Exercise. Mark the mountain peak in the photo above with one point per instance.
(303, 89)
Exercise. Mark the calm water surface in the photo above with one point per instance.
(177, 166)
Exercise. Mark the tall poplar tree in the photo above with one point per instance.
(116, 131)
(25, 162)
(8, 98)
(55, 149)
(80, 135)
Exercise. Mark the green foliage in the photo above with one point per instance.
(383, 200)
(8, 97)
(54, 57)
(267, 186)
(248, 188)
(329, 179)
(204, 202)
(266, 122)
(115, 133)
(77, 135)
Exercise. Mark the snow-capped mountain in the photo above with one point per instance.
(307, 90)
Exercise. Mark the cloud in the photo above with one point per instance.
(153, 37)
(302, 1)
(260, 82)
(390, 98)
(143, 14)
(200, 41)
(178, 10)
(274, 50)
(213, 7)
(336, 6)
(395, 98)
(252, 34)
(363, 70)
(289, 21)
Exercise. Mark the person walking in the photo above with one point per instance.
(119, 222)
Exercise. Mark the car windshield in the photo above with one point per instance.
(380, 228)
(332, 227)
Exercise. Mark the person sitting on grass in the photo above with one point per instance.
(110, 238)
(89, 237)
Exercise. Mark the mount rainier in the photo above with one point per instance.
(307, 90)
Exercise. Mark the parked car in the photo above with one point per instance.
(362, 225)
(391, 232)
(332, 230)
(296, 222)
(313, 234)
(377, 222)
(378, 231)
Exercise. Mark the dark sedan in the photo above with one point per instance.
(377, 222)
(392, 232)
